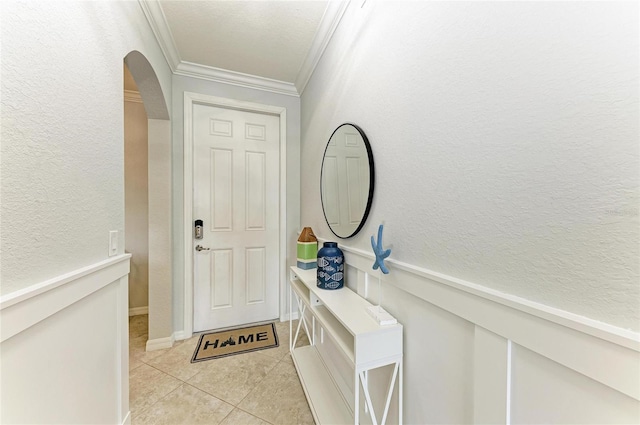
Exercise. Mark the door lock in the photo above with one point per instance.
(200, 248)
(198, 229)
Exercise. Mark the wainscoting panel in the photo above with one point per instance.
(546, 392)
(64, 352)
(475, 355)
(491, 377)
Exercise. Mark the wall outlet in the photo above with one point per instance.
(113, 243)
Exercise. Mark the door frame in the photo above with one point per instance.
(190, 99)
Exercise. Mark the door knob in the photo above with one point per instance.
(200, 248)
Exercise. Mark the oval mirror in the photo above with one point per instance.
(347, 180)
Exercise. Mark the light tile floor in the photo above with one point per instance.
(258, 388)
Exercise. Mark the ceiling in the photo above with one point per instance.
(269, 45)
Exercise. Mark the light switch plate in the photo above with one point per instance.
(113, 243)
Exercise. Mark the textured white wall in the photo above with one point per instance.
(160, 240)
(505, 138)
(186, 84)
(62, 131)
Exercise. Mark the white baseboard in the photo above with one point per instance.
(138, 311)
(285, 317)
(160, 343)
(180, 335)
(24, 308)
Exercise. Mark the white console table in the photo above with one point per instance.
(346, 343)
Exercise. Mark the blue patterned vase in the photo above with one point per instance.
(330, 266)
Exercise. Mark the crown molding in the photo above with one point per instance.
(132, 96)
(219, 75)
(328, 24)
(158, 22)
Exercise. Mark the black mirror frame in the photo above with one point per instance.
(372, 179)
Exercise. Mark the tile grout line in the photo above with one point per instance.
(168, 374)
(247, 395)
(161, 371)
(217, 398)
(265, 377)
(227, 415)
(254, 415)
(213, 395)
(155, 402)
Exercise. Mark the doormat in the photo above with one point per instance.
(213, 345)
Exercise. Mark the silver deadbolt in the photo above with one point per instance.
(200, 248)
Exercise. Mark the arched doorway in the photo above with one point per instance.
(160, 325)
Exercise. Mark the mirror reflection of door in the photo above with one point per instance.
(346, 180)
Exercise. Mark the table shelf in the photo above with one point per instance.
(328, 407)
(346, 342)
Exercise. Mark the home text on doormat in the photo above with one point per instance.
(235, 341)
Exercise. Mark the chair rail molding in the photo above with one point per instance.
(26, 307)
(132, 96)
(54, 333)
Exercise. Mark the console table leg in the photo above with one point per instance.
(367, 399)
(392, 385)
(356, 409)
(291, 295)
(301, 310)
(400, 405)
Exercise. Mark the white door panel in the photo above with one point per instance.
(236, 194)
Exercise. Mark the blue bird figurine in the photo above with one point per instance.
(379, 252)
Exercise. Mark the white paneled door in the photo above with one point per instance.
(236, 195)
